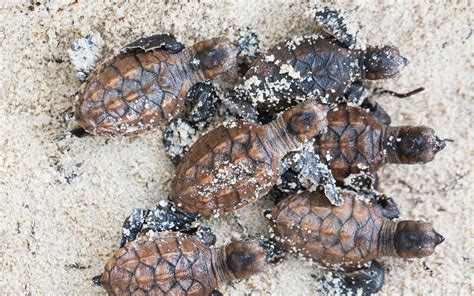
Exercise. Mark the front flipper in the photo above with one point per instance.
(308, 165)
(181, 133)
(335, 23)
(364, 185)
(366, 280)
(163, 42)
(83, 54)
(164, 217)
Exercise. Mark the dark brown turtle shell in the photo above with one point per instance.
(171, 263)
(352, 234)
(138, 90)
(353, 142)
(233, 166)
(356, 141)
(307, 66)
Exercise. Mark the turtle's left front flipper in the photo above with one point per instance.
(366, 280)
(308, 165)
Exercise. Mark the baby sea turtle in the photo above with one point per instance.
(324, 67)
(357, 141)
(235, 165)
(173, 263)
(147, 83)
(349, 236)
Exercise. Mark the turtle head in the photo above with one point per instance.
(245, 258)
(215, 56)
(306, 120)
(416, 239)
(416, 144)
(383, 62)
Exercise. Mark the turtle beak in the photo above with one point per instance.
(440, 144)
(438, 238)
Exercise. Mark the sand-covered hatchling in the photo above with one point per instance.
(348, 236)
(173, 263)
(236, 164)
(324, 67)
(358, 141)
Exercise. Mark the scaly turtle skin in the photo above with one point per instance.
(356, 141)
(324, 67)
(349, 235)
(147, 83)
(172, 263)
(234, 166)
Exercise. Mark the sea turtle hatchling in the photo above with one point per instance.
(357, 141)
(323, 67)
(349, 236)
(152, 81)
(235, 165)
(173, 263)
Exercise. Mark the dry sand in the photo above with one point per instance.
(62, 205)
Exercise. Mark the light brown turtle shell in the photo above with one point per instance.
(226, 169)
(347, 234)
(138, 90)
(167, 263)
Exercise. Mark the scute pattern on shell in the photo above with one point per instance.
(167, 263)
(353, 142)
(225, 170)
(309, 66)
(132, 92)
(346, 234)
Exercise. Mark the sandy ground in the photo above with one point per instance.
(62, 205)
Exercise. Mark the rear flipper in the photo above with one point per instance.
(364, 185)
(181, 133)
(367, 280)
(310, 168)
(164, 217)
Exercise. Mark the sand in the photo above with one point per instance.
(62, 204)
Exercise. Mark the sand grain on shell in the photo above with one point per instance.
(63, 204)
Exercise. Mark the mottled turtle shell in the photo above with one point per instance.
(140, 89)
(226, 169)
(353, 142)
(167, 263)
(346, 234)
(133, 91)
(305, 66)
